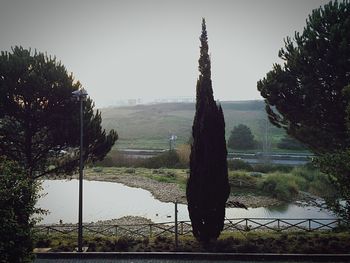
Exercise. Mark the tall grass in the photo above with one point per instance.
(282, 186)
(286, 186)
(317, 183)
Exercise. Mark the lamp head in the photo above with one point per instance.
(80, 94)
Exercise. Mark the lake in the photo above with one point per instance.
(106, 200)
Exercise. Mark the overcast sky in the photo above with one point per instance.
(149, 49)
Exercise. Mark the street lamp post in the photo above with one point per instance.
(81, 95)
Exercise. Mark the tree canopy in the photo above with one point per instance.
(207, 187)
(241, 138)
(39, 120)
(305, 95)
(289, 143)
(309, 95)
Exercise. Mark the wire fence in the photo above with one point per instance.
(184, 227)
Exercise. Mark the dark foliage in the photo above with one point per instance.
(39, 120)
(207, 187)
(17, 200)
(268, 168)
(237, 164)
(310, 95)
(290, 242)
(241, 138)
(168, 159)
(290, 144)
(306, 95)
(338, 165)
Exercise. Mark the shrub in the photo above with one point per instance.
(281, 186)
(169, 159)
(123, 244)
(236, 164)
(268, 168)
(17, 200)
(184, 151)
(242, 180)
(289, 143)
(130, 170)
(117, 159)
(158, 171)
(314, 181)
(98, 169)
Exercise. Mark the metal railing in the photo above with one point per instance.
(184, 227)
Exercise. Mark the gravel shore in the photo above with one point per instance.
(125, 220)
(170, 192)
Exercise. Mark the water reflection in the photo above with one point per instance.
(278, 208)
(104, 200)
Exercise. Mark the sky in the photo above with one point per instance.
(149, 49)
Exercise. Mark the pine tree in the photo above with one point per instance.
(207, 187)
(307, 95)
(39, 120)
(241, 138)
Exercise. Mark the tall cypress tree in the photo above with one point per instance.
(207, 187)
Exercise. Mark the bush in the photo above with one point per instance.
(123, 244)
(116, 159)
(317, 182)
(242, 180)
(169, 159)
(290, 144)
(17, 200)
(268, 168)
(130, 170)
(281, 186)
(241, 138)
(184, 151)
(98, 169)
(236, 164)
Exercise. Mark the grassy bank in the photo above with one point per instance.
(285, 185)
(149, 126)
(236, 242)
(163, 175)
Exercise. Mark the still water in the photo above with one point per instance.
(105, 200)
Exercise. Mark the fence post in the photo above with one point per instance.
(150, 230)
(309, 224)
(116, 231)
(278, 225)
(181, 227)
(176, 234)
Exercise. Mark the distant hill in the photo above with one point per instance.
(149, 126)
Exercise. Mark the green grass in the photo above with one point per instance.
(149, 126)
(229, 242)
(282, 185)
(165, 175)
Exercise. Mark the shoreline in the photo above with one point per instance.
(171, 192)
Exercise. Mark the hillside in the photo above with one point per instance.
(149, 126)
